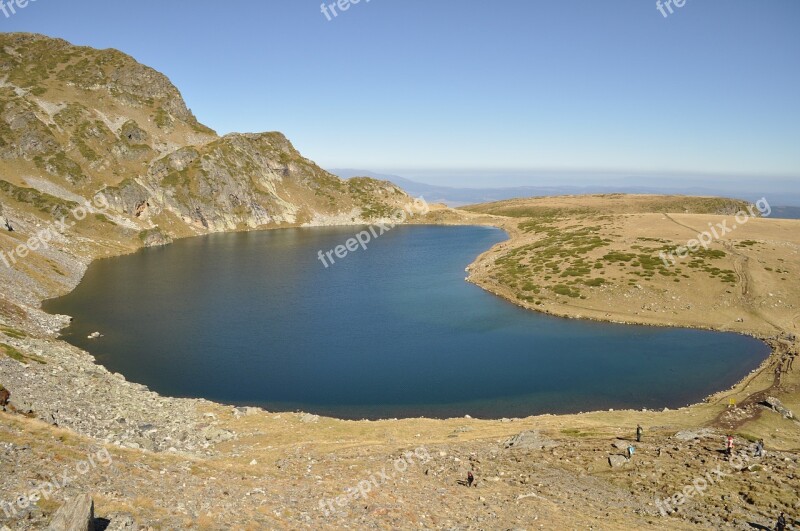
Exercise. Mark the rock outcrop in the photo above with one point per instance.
(777, 406)
(75, 515)
(529, 440)
(85, 121)
(5, 224)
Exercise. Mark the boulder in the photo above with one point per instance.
(216, 435)
(245, 411)
(5, 224)
(778, 407)
(308, 418)
(75, 515)
(22, 407)
(529, 440)
(616, 461)
(691, 435)
(121, 522)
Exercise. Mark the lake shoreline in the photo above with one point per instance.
(99, 298)
(565, 312)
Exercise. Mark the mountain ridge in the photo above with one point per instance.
(87, 120)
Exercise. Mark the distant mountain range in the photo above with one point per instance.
(456, 197)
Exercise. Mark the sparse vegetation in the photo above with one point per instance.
(15, 354)
(13, 332)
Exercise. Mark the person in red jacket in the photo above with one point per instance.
(729, 446)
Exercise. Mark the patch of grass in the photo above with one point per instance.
(594, 282)
(565, 290)
(15, 354)
(748, 437)
(13, 332)
(573, 432)
(618, 256)
(12, 353)
(43, 202)
(162, 118)
(530, 286)
(47, 506)
(60, 165)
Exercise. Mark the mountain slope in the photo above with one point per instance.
(75, 121)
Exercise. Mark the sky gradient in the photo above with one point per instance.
(515, 86)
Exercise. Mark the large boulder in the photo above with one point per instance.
(5, 224)
(616, 461)
(693, 435)
(529, 440)
(778, 407)
(75, 515)
(621, 445)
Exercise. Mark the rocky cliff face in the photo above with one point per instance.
(76, 121)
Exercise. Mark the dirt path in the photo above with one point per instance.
(682, 224)
(742, 270)
(740, 266)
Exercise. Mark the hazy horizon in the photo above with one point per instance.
(482, 178)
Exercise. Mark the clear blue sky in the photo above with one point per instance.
(393, 85)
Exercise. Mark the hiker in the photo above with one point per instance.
(631, 450)
(729, 446)
(470, 479)
(781, 525)
(760, 448)
(639, 432)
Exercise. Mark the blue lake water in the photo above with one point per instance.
(393, 331)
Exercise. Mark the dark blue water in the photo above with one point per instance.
(393, 331)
